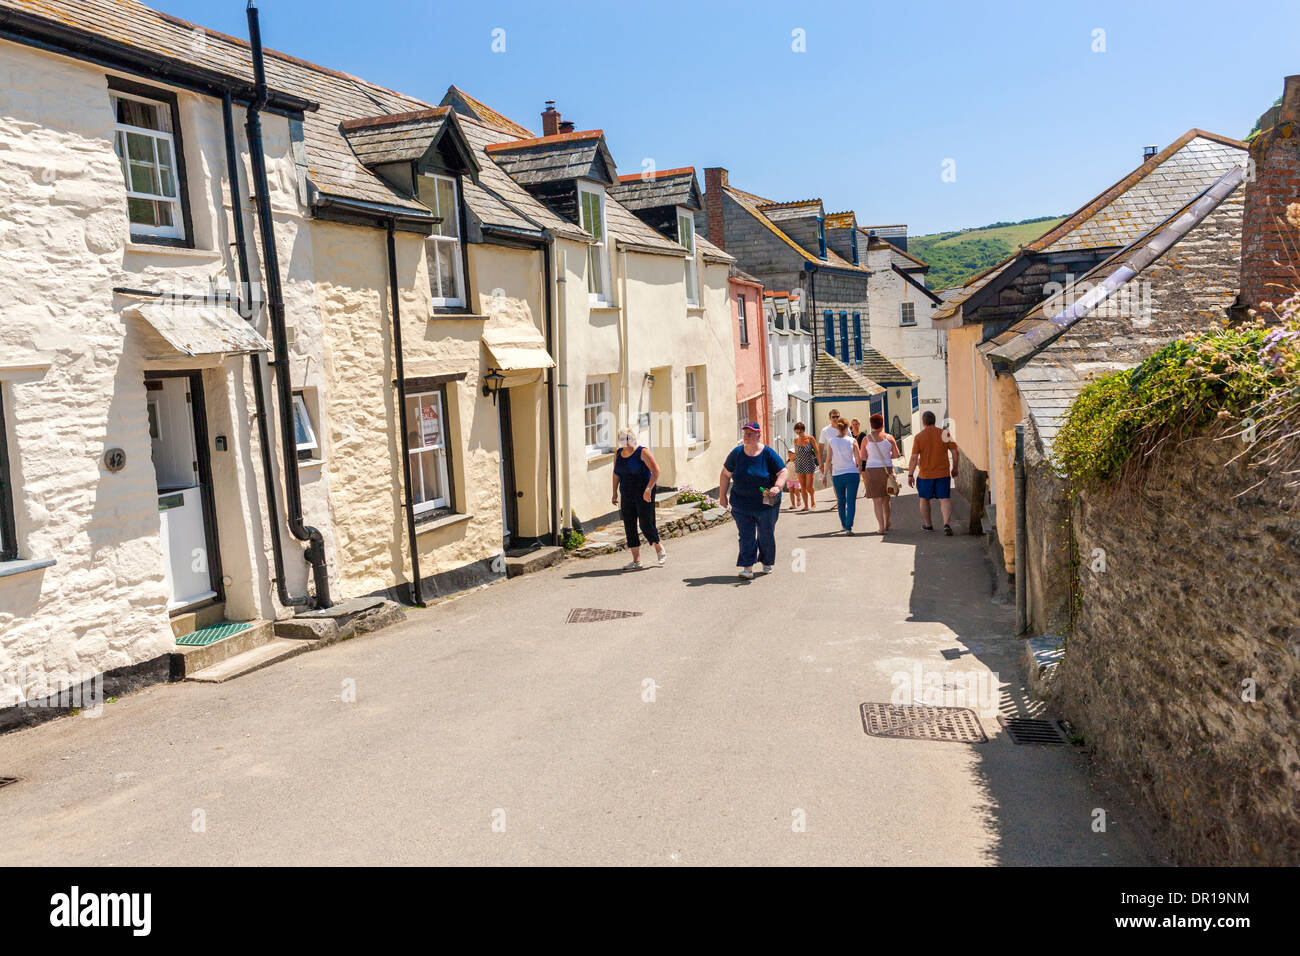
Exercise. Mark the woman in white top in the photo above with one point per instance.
(842, 462)
(878, 453)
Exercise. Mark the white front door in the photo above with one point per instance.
(180, 492)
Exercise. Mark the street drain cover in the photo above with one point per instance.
(1034, 730)
(586, 615)
(918, 722)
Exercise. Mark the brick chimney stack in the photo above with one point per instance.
(1268, 243)
(715, 179)
(550, 119)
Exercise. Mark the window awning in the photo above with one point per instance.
(518, 352)
(800, 395)
(200, 328)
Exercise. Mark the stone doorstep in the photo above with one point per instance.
(192, 621)
(276, 649)
(186, 661)
(533, 561)
(350, 618)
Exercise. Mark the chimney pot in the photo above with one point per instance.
(1148, 152)
(550, 119)
(566, 126)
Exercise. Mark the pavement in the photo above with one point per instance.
(719, 726)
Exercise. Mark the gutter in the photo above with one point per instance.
(315, 551)
(29, 30)
(1016, 352)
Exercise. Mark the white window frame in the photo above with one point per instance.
(177, 229)
(595, 416)
(903, 313)
(454, 241)
(437, 452)
(599, 276)
(742, 317)
(692, 257)
(300, 407)
(692, 406)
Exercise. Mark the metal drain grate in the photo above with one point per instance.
(586, 615)
(917, 722)
(1034, 730)
(5, 781)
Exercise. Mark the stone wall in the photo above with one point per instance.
(1197, 603)
(1047, 566)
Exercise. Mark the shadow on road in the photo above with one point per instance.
(732, 579)
(1040, 799)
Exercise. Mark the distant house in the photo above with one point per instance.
(984, 406)
(796, 246)
(790, 351)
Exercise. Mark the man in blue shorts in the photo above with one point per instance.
(930, 449)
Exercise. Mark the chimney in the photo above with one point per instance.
(566, 126)
(1268, 273)
(550, 119)
(715, 179)
(1149, 153)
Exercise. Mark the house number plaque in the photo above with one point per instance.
(115, 459)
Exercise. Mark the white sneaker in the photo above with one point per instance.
(663, 558)
(767, 569)
(632, 566)
(746, 573)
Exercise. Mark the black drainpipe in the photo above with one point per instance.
(315, 552)
(416, 591)
(245, 303)
(548, 250)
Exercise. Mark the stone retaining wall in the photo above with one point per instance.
(1195, 612)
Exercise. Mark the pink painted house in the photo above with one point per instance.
(750, 331)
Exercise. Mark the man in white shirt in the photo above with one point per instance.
(829, 432)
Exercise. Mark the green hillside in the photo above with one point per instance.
(956, 256)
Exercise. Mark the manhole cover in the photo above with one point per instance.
(585, 615)
(951, 653)
(5, 781)
(1034, 730)
(918, 722)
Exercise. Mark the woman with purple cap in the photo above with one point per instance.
(750, 484)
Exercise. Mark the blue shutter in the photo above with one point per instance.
(916, 397)
(854, 236)
(828, 329)
(844, 336)
(857, 337)
(821, 237)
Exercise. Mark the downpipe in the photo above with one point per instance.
(1022, 537)
(315, 551)
(245, 305)
(416, 591)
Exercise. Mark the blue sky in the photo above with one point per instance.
(1034, 120)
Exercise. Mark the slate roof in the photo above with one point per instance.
(1140, 317)
(833, 378)
(879, 368)
(668, 187)
(785, 211)
(546, 159)
(331, 165)
(1129, 207)
(841, 220)
(466, 105)
(758, 207)
(395, 137)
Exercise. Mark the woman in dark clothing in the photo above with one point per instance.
(635, 474)
(751, 482)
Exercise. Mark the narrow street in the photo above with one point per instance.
(492, 702)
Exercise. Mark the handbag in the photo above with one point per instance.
(891, 483)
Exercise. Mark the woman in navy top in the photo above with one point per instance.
(751, 480)
(635, 474)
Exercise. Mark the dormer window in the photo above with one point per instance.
(591, 210)
(686, 238)
(442, 249)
